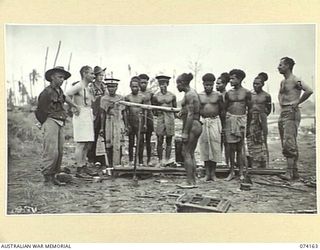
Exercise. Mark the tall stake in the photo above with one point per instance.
(65, 86)
(45, 67)
(55, 60)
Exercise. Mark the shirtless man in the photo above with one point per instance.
(165, 120)
(257, 121)
(237, 104)
(289, 99)
(82, 95)
(213, 118)
(148, 121)
(221, 85)
(191, 128)
(133, 114)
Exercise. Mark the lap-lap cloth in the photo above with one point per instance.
(256, 137)
(288, 123)
(235, 127)
(210, 140)
(165, 124)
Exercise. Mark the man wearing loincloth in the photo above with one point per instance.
(237, 105)
(165, 120)
(148, 116)
(83, 131)
(213, 118)
(257, 121)
(289, 99)
(133, 114)
(112, 122)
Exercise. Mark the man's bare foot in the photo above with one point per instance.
(214, 178)
(207, 179)
(230, 176)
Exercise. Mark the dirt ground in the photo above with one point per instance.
(27, 193)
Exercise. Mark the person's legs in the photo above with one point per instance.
(168, 147)
(207, 166)
(50, 149)
(141, 147)
(109, 152)
(290, 147)
(160, 146)
(93, 145)
(232, 148)
(60, 149)
(131, 145)
(148, 145)
(240, 157)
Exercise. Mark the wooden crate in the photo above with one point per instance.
(201, 204)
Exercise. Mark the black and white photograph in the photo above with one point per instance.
(193, 118)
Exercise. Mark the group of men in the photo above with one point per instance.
(233, 121)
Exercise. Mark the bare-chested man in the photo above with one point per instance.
(191, 129)
(165, 120)
(148, 121)
(257, 121)
(221, 85)
(289, 99)
(133, 114)
(213, 118)
(237, 104)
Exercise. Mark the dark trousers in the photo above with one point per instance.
(93, 145)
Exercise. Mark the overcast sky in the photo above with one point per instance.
(161, 49)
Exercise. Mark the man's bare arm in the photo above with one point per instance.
(268, 104)
(190, 113)
(306, 94)
(222, 112)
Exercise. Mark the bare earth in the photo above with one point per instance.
(28, 194)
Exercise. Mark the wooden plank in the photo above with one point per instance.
(264, 171)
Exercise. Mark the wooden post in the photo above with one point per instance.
(65, 86)
(45, 67)
(55, 60)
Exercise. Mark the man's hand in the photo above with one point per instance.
(76, 110)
